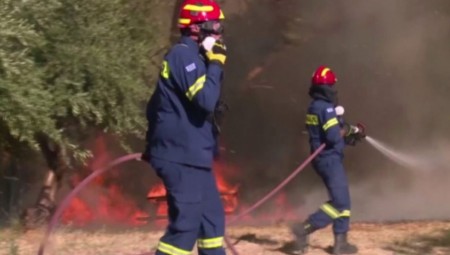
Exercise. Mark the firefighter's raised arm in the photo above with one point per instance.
(198, 84)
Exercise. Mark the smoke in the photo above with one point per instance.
(417, 192)
(391, 59)
(423, 193)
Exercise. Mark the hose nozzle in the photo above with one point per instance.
(362, 128)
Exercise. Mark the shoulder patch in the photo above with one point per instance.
(191, 67)
(331, 109)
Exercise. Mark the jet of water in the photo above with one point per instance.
(416, 161)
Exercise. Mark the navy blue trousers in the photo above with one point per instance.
(337, 209)
(196, 213)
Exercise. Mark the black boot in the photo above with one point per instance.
(342, 246)
(301, 232)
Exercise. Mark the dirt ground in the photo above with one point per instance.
(414, 238)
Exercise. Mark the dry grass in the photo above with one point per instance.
(414, 238)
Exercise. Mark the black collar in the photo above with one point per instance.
(186, 40)
(324, 92)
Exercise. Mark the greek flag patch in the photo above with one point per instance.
(191, 67)
(331, 109)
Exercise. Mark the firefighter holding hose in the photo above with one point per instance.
(325, 124)
(182, 132)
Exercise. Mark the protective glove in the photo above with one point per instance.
(351, 130)
(217, 54)
(354, 133)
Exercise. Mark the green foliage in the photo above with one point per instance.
(70, 66)
(24, 101)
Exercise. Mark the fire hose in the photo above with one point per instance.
(65, 202)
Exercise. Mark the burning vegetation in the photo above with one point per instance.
(106, 202)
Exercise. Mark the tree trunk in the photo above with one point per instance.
(10, 186)
(45, 205)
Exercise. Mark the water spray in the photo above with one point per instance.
(398, 157)
(415, 161)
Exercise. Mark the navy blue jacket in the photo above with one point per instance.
(324, 126)
(179, 111)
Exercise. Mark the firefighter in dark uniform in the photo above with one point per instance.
(324, 125)
(181, 136)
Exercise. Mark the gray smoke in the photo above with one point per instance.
(392, 60)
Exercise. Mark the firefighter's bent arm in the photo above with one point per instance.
(199, 83)
(330, 126)
(206, 91)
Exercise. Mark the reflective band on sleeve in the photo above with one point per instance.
(196, 87)
(165, 72)
(330, 123)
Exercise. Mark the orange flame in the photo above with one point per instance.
(228, 192)
(101, 202)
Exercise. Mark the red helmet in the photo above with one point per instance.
(324, 76)
(198, 11)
